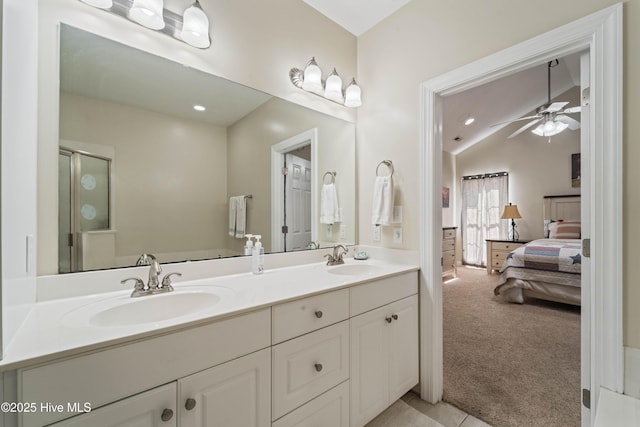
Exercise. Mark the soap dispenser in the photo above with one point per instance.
(257, 257)
(248, 246)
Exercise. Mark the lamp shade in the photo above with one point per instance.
(312, 80)
(195, 26)
(333, 87)
(147, 13)
(510, 212)
(352, 96)
(102, 4)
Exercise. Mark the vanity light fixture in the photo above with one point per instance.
(310, 79)
(192, 27)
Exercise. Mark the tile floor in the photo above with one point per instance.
(411, 411)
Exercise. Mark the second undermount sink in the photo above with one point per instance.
(354, 269)
(126, 311)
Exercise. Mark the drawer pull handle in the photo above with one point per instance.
(388, 319)
(318, 314)
(318, 367)
(167, 414)
(189, 404)
(395, 316)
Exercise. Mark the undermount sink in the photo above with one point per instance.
(353, 269)
(126, 311)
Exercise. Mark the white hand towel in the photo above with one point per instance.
(382, 209)
(237, 216)
(329, 211)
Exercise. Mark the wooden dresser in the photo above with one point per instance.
(449, 251)
(497, 251)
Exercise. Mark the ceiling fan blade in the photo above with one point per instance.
(523, 128)
(537, 116)
(556, 106)
(572, 110)
(573, 123)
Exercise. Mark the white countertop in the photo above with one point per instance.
(52, 329)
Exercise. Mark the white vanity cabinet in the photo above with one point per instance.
(384, 346)
(153, 408)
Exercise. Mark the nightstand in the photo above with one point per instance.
(497, 251)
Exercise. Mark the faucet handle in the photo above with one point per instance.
(138, 287)
(166, 281)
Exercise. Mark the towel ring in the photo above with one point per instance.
(332, 175)
(388, 164)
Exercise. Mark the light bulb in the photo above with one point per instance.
(195, 26)
(333, 87)
(353, 95)
(147, 13)
(312, 80)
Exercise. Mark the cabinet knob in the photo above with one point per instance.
(395, 316)
(319, 314)
(189, 404)
(318, 367)
(167, 414)
(388, 319)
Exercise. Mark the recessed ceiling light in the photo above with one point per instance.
(469, 121)
(199, 107)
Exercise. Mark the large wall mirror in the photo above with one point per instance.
(156, 157)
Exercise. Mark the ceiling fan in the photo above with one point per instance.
(551, 118)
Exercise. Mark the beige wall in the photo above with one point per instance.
(150, 217)
(250, 141)
(427, 38)
(536, 168)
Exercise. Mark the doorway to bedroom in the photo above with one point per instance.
(492, 167)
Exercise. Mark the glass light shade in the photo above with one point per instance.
(510, 212)
(147, 13)
(312, 80)
(550, 128)
(195, 27)
(102, 4)
(352, 96)
(333, 87)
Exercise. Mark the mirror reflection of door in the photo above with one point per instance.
(84, 195)
(297, 199)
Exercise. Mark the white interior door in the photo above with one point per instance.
(585, 199)
(297, 202)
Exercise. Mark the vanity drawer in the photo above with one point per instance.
(309, 314)
(330, 409)
(105, 376)
(307, 366)
(375, 294)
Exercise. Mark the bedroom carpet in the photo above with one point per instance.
(509, 364)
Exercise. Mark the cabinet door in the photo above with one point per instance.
(403, 356)
(234, 394)
(148, 409)
(369, 365)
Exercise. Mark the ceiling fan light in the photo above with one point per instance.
(195, 26)
(147, 13)
(102, 4)
(549, 128)
(312, 80)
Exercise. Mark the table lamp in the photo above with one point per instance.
(511, 212)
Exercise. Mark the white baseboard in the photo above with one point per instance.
(632, 372)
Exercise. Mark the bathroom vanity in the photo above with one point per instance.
(333, 346)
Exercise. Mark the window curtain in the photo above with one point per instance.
(483, 199)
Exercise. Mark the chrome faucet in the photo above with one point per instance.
(336, 257)
(154, 286)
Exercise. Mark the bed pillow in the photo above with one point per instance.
(564, 230)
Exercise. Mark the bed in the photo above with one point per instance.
(547, 268)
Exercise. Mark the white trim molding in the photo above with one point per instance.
(601, 34)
